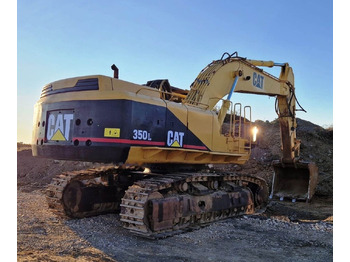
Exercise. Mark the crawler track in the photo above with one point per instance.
(170, 204)
(156, 205)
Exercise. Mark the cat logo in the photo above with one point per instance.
(175, 138)
(258, 81)
(58, 127)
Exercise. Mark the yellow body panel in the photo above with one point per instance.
(200, 123)
(160, 155)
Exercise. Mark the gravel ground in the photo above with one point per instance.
(41, 236)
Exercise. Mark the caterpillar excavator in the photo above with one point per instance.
(159, 140)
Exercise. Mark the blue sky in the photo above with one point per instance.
(174, 40)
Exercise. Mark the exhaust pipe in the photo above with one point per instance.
(116, 71)
(295, 181)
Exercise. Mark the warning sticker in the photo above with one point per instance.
(112, 132)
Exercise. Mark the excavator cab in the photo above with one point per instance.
(295, 181)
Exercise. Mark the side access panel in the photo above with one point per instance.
(200, 123)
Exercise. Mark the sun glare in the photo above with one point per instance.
(255, 132)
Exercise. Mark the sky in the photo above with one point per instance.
(174, 40)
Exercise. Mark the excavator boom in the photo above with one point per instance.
(236, 74)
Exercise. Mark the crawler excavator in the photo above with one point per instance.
(159, 140)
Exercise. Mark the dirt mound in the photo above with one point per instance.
(316, 146)
(35, 173)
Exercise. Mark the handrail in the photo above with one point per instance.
(192, 102)
(148, 89)
(239, 118)
(247, 134)
(159, 91)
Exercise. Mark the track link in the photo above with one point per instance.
(170, 204)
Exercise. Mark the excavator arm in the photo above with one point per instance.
(293, 178)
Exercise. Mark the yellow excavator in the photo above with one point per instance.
(159, 140)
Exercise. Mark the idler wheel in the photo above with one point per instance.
(72, 198)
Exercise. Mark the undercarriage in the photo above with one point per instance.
(156, 205)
